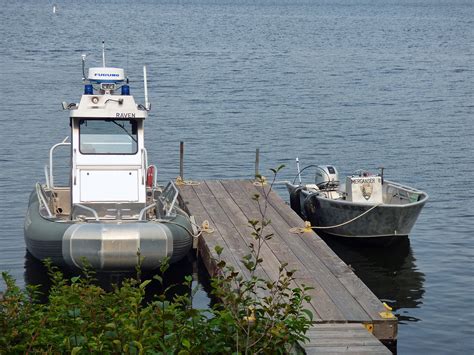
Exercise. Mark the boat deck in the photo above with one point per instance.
(348, 316)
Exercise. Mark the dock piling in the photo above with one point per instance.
(257, 161)
(181, 160)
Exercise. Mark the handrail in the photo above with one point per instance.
(402, 187)
(93, 211)
(144, 158)
(46, 176)
(42, 199)
(74, 164)
(51, 151)
(142, 212)
(175, 196)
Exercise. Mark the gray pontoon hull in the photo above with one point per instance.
(107, 245)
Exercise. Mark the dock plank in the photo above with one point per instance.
(234, 230)
(207, 242)
(343, 339)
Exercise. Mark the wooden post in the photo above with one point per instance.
(181, 160)
(257, 161)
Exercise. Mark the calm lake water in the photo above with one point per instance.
(357, 84)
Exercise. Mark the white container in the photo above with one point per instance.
(364, 189)
(105, 74)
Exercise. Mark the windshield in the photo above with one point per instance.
(108, 136)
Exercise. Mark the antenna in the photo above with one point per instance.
(103, 54)
(145, 83)
(83, 67)
(298, 168)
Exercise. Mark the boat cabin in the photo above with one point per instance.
(108, 156)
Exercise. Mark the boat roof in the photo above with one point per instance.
(102, 106)
(100, 101)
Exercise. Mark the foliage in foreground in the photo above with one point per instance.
(255, 315)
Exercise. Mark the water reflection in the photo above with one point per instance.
(37, 274)
(390, 272)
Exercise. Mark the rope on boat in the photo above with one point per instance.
(206, 227)
(181, 182)
(203, 228)
(308, 227)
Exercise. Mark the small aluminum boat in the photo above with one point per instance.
(366, 207)
(112, 211)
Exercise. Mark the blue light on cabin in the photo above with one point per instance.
(88, 89)
(125, 90)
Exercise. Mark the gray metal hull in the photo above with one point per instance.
(385, 220)
(107, 246)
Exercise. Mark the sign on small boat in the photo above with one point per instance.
(365, 206)
(112, 209)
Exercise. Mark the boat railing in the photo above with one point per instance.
(86, 208)
(144, 210)
(144, 164)
(168, 197)
(50, 180)
(165, 204)
(46, 176)
(402, 192)
(43, 200)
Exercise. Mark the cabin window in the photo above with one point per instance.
(108, 136)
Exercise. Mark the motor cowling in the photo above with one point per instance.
(326, 177)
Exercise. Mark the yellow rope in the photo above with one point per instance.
(388, 313)
(298, 230)
(261, 181)
(206, 227)
(308, 227)
(181, 182)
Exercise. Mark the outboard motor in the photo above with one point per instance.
(326, 177)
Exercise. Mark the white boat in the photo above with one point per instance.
(366, 206)
(112, 211)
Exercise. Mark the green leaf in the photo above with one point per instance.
(75, 279)
(77, 340)
(144, 284)
(76, 350)
(75, 312)
(110, 334)
(218, 249)
(275, 171)
(138, 346)
(158, 278)
(186, 343)
(308, 313)
(110, 325)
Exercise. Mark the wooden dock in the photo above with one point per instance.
(349, 317)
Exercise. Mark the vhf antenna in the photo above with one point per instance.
(145, 84)
(83, 67)
(103, 54)
(298, 169)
